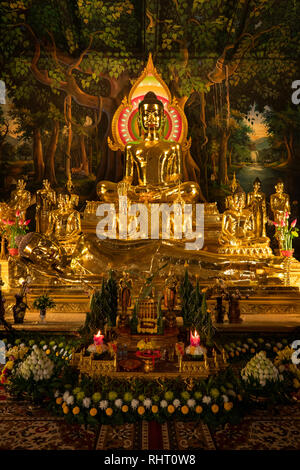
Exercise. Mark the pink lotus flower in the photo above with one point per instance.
(286, 215)
(274, 223)
(27, 222)
(293, 224)
(18, 213)
(21, 222)
(282, 223)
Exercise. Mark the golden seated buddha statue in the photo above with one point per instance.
(64, 223)
(240, 234)
(158, 163)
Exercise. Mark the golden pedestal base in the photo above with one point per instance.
(166, 341)
(258, 251)
(93, 367)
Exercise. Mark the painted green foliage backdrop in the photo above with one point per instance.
(67, 65)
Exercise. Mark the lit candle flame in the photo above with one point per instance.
(195, 338)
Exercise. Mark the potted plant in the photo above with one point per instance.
(285, 234)
(13, 230)
(42, 303)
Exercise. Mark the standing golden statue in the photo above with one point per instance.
(45, 203)
(233, 186)
(157, 162)
(280, 206)
(256, 202)
(74, 198)
(20, 199)
(125, 287)
(170, 298)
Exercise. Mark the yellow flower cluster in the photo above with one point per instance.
(145, 345)
(17, 352)
(283, 356)
(228, 406)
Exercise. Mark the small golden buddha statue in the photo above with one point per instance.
(256, 202)
(20, 199)
(64, 222)
(242, 229)
(237, 221)
(45, 203)
(158, 163)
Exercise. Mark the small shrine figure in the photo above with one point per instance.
(221, 292)
(234, 312)
(280, 206)
(256, 202)
(74, 198)
(233, 186)
(45, 203)
(20, 307)
(125, 286)
(20, 199)
(170, 297)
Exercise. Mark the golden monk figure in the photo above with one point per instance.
(158, 163)
(45, 203)
(280, 206)
(256, 202)
(20, 199)
(64, 223)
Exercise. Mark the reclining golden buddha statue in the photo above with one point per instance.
(158, 163)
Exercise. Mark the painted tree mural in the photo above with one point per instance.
(68, 64)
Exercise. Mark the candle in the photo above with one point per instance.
(194, 339)
(98, 339)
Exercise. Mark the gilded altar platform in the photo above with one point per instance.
(267, 319)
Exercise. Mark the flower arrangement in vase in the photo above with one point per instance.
(286, 233)
(13, 230)
(42, 303)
